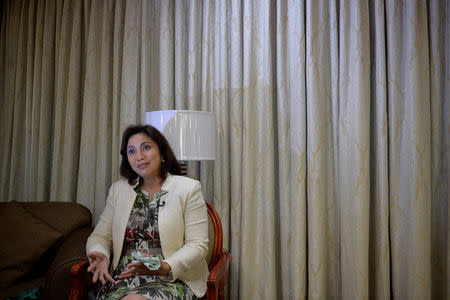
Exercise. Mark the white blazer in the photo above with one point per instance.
(183, 228)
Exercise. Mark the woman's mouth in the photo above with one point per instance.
(142, 166)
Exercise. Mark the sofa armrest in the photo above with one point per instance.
(72, 250)
(218, 277)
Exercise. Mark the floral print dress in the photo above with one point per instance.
(142, 234)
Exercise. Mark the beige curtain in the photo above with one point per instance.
(332, 177)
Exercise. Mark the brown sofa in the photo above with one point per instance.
(41, 241)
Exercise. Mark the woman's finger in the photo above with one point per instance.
(134, 265)
(128, 273)
(124, 276)
(95, 277)
(102, 278)
(109, 278)
(93, 266)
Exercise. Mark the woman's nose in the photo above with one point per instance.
(139, 155)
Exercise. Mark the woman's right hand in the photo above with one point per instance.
(99, 267)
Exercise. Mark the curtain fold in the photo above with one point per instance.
(100, 108)
(439, 66)
(291, 148)
(322, 151)
(354, 147)
(409, 149)
(379, 243)
(69, 60)
(332, 169)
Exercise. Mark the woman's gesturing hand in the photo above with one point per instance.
(99, 268)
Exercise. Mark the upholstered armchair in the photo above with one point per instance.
(218, 263)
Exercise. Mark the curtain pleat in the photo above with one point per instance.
(379, 243)
(323, 207)
(69, 59)
(409, 149)
(291, 148)
(439, 66)
(354, 147)
(332, 169)
(100, 85)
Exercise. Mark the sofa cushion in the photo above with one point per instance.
(62, 216)
(26, 238)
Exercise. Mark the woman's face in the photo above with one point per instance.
(144, 156)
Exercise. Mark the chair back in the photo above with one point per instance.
(215, 236)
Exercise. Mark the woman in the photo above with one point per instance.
(153, 213)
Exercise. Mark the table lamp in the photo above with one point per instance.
(190, 133)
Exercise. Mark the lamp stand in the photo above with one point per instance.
(183, 167)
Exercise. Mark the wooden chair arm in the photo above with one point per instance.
(218, 277)
(79, 275)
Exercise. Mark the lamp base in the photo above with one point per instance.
(183, 166)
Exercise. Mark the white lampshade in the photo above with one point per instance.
(191, 134)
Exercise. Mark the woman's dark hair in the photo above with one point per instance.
(170, 163)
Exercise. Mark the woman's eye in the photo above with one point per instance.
(130, 152)
(146, 147)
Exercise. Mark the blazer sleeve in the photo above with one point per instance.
(195, 246)
(100, 239)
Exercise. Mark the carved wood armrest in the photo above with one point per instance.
(218, 277)
(79, 276)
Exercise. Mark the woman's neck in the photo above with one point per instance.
(152, 184)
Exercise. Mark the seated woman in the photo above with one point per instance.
(155, 223)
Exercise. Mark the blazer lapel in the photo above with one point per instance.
(164, 199)
(125, 205)
(164, 212)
